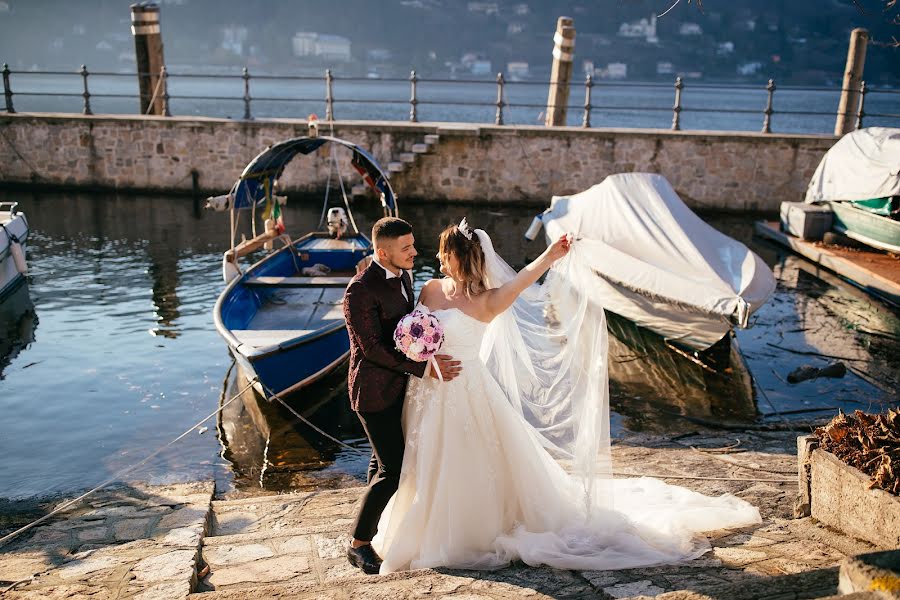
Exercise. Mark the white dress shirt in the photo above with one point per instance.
(388, 274)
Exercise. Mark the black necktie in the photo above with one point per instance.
(407, 285)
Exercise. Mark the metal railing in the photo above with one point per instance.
(499, 103)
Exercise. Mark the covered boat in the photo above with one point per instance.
(13, 239)
(282, 317)
(657, 263)
(859, 178)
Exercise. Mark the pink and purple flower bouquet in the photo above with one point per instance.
(419, 335)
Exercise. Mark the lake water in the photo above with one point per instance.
(110, 352)
(616, 104)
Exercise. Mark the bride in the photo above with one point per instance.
(511, 459)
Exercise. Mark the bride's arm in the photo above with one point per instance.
(499, 299)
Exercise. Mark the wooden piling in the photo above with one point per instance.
(853, 74)
(148, 49)
(561, 73)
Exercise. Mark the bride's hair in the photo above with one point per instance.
(468, 254)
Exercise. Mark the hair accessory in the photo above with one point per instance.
(464, 229)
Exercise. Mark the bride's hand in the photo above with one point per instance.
(559, 248)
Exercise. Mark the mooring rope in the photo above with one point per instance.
(320, 431)
(122, 472)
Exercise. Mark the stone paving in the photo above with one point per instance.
(292, 546)
(126, 542)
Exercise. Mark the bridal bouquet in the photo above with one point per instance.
(419, 336)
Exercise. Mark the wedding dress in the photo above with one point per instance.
(481, 485)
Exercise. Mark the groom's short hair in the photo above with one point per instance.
(389, 228)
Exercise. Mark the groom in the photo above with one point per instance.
(375, 301)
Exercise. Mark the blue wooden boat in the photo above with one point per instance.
(282, 317)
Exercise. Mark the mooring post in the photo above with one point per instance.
(413, 99)
(767, 119)
(588, 84)
(148, 50)
(561, 73)
(676, 108)
(498, 116)
(862, 104)
(853, 73)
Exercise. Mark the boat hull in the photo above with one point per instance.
(873, 230)
(286, 337)
(10, 275)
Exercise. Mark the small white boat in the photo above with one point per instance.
(13, 238)
(657, 263)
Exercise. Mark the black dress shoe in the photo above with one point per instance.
(365, 558)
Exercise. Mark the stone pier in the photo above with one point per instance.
(177, 541)
(443, 162)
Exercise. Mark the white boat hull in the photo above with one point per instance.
(13, 242)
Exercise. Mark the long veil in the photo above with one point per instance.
(548, 352)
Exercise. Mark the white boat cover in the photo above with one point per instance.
(660, 265)
(862, 165)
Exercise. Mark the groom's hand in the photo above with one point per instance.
(449, 368)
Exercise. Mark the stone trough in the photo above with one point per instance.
(839, 496)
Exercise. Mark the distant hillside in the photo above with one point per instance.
(799, 42)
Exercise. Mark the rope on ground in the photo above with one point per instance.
(120, 473)
(664, 476)
(735, 463)
(320, 431)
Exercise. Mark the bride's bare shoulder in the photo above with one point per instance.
(431, 289)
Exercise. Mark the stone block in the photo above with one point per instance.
(839, 496)
(873, 572)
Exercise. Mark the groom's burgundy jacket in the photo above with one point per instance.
(373, 305)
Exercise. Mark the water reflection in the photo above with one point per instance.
(128, 357)
(18, 322)
(270, 448)
(654, 386)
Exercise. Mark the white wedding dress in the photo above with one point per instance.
(478, 487)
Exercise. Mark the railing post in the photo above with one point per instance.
(767, 121)
(862, 104)
(676, 110)
(413, 101)
(165, 98)
(588, 84)
(246, 76)
(853, 73)
(329, 96)
(7, 90)
(86, 95)
(498, 118)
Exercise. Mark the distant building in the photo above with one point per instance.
(521, 9)
(616, 70)
(481, 67)
(725, 48)
(518, 70)
(488, 8)
(749, 68)
(4, 7)
(103, 46)
(748, 24)
(333, 47)
(692, 74)
(644, 28)
(664, 68)
(690, 29)
(515, 28)
(233, 39)
(325, 46)
(305, 44)
(379, 55)
(588, 67)
(79, 29)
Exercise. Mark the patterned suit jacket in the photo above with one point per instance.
(373, 305)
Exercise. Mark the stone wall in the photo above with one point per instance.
(470, 162)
